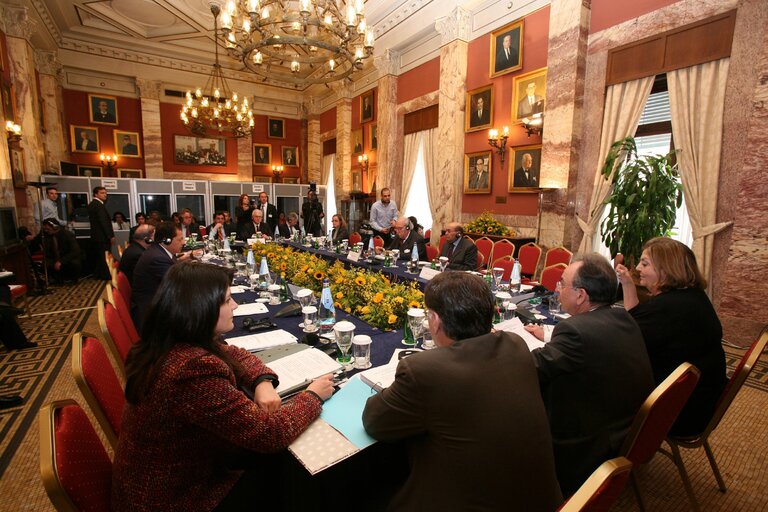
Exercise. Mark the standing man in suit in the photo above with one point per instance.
(594, 372)
(468, 448)
(269, 212)
(506, 56)
(406, 237)
(461, 253)
(480, 115)
(102, 235)
(526, 175)
(531, 103)
(256, 225)
(129, 148)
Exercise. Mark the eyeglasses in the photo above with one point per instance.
(561, 284)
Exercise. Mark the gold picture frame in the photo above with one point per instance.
(373, 137)
(290, 156)
(366, 107)
(521, 105)
(477, 172)
(127, 144)
(102, 109)
(262, 157)
(87, 144)
(503, 61)
(275, 128)
(356, 141)
(518, 181)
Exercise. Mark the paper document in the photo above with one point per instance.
(262, 340)
(251, 308)
(344, 412)
(380, 377)
(301, 367)
(236, 289)
(516, 326)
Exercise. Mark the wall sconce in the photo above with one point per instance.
(363, 161)
(277, 170)
(110, 161)
(499, 141)
(534, 125)
(14, 131)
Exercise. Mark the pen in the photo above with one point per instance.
(301, 386)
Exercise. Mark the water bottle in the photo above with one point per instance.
(415, 254)
(251, 262)
(277, 232)
(514, 280)
(326, 313)
(264, 278)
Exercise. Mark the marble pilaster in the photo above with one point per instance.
(149, 95)
(54, 137)
(389, 142)
(244, 159)
(314, 150)
(343, 167)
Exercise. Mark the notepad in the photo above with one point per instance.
(237, 289)
(251, 308)
(263, 340)
(295, 369)
(516, 326)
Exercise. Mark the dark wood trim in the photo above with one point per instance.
(419, 120)
(329, 147)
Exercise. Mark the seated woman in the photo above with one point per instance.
(187, 425)
(679, 325)
(283, 228)
(119, 221)
(340, 231)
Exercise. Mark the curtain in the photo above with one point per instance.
(624, 105)
(411, 144)
(328, 161)
(441, 214)
(328, 174)
(696, 99)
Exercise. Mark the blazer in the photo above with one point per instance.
(594, 375)
(522, 181)
(249, 230)
(149, 271)
(525, 109)
(129, 259)
(459, 410)
(228, 228)
(405, 246)
(464, 257)
(340, 234)
(178, 445)
(193, 228)
(270, 218)
(101, 225)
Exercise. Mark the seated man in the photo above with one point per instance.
(257, 225)
(470, 411)
(406, 237)
(293, 223)
(62, 252)
(219, 230)
(461, 253)
(140, 240)
(189, 225)
(594, 373)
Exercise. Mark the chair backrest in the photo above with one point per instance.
(658, 413)
(125, 315)
(124, 287)
(602, 488)
(484, 247)
(428, 234)
(557, 255)
(500, 249)
(432, 252)
(551, 275)
(507, 263)
(480, 261)
(75, 467)
(378, 241)
(529, 256)
(98, 383)
(355, 238)
(441, 243)
(114, 332)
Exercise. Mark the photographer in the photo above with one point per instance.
(312, 212)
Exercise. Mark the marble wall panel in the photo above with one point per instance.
(149, 94)
(343, 166)
(244, 159)
(314, 150)
(390, 141)
(54, 139)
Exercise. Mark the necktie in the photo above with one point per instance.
(450, 252)
(221, 234)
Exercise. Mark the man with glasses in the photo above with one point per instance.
(405, 239)
(461, 253)
(470, 411)
(594, 372)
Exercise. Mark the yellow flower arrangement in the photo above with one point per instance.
(485, 224)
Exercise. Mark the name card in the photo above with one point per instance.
(256, 188)
(428, 273)
(109, 184)
(353, 256)
(188, 186)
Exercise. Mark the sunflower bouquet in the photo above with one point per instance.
(485, 224)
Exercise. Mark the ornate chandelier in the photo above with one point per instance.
(300, 42)
(213, 111)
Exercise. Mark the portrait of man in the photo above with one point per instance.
(374, 131)
(529, 94)
(506, 49)
(90, 171)
(357, 141)
(479, 108)
(262, 154)
(127, 144)
(366, 107)
(526, 164)
(103, 109)
(290, 156)
(129, 173)
(84, 139)
(531, 103)
(275, 128)
(477, 173)
(17, 168)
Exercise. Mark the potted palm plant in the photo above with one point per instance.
(645, 195)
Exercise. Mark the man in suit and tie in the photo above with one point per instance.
(526, 175)
(479, 180)
(129, 148)
(269, 212)
(481, 115)
(86, 143)
(141, 239)
(256, 225)
(459, 411)
(531, 103)
(219, 229)
(461, 253)
(103, 115)
(188, 224)
(288, 158)
(406, 237)
(102, 235)
(507, 55)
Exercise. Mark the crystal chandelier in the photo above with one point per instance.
(213, 111)
(299, 42)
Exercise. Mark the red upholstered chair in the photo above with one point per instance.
(19, 291)
(124, 287)
(98, 383)
(484, 247)
(432, 252)
(125, 313)
(501, 248)
(743, 369)
(551, 275)
(557, 255)
(75, 467)
(428, 234)
(117, 337)
(355, 238)
(480, 261)
(654, 419)
(602, 488)
(505, 262)
(441, 243)
(529, 256)
(378, 241)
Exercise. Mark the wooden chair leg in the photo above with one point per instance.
(678, 460)
(636, 488)
(715, 469)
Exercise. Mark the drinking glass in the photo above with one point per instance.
(274, 294)
(310, 317)
(427, 343)
(254, 278)
(344, 331)
(395, 256)
(502, 302)
(497, 275)
(240, 269)
(443, 263)
(305, 297)
(554, 303)
(361, 350)
(416, 323)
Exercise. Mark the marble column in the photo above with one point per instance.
(449, 159)
(314, 156)
(149, 94)
(561, 143)
(343, 167)
(389, 137)
(54, 136)
(244, 159)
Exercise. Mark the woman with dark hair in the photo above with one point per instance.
(176, 219)
(243, 211)
(282, 226)
(415, 226)
(679, 325)
(340, 231)
(119, 221)
(187, 425)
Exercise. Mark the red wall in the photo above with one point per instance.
(607, 13)
(535, 36)
(419, 81)
(328, 120)
(292, 138)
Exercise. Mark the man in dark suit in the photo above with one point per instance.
(288, 158)
(526, 175)
(62, 252)
(594, 372)
(506, 56)
(102, 235)
(481, 114)
(367, 108)
(129, 148)
(189, 225)
(141, 239)
(269, 212)
(461, 253)
(531, 103)
(219, 229)
(86, 143)
(459, 410)
(103, 115)
(257, 224)
(479, 180)
(406, 238)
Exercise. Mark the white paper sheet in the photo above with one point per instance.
(262, 340)
(251, 308)
(236, 289)
(516, 326)
(306, 365)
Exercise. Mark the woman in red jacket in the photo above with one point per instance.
(187, 425)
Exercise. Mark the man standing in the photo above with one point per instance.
(470, 411)
(461, 253)
(102, 235)
(406, 237)
(594, 373)
(531, 104)
(525, 175)
(50, 206)
(219, 230)
(141, 238)
(188, 224)
(506, 56)
(312, 212)
(257, 225)
(383, 214)
(269, 212)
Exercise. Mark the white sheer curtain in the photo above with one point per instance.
(418, 204)
(440, 210)
(411, 143)
(624, 104)
(696, 99)
(328, 178)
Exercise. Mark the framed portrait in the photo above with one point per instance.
(479, 110)
(262, 154)
(477, 173)
(373, 137)
(366, 107)
(357, 181)
(524, 168)
(293, 180)
(507, 49)
(85, 139)
(357, 141)
(91, 171)
(17, 168)
(188, 150)
(127, 144)
(262, 179)
(9, 101)
(529, 94)
(290, 156)
(102, 109)
(275, 128)
(129, 173)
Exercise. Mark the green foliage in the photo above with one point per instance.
(646, 193)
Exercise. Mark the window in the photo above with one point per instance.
(418, 199)
(330, 192)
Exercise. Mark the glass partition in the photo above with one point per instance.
(195, 203)
(227, 203)
(159, 202)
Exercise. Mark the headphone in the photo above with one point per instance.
(166, 241)
(409, 226)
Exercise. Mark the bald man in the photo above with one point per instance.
(526, 175)
(461, 253)
(406, 237)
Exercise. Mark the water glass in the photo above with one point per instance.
(498, 272)
(310, 318)
(305, 297)
(554, 303)
(416, 323)
(344, 331)
(427, 343)
(443, 263)
(274, 294)
(361, 350)
(502, 302)
(240, 269)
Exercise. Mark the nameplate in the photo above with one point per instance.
(109, 184)
(428, 273)
(353, 256)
